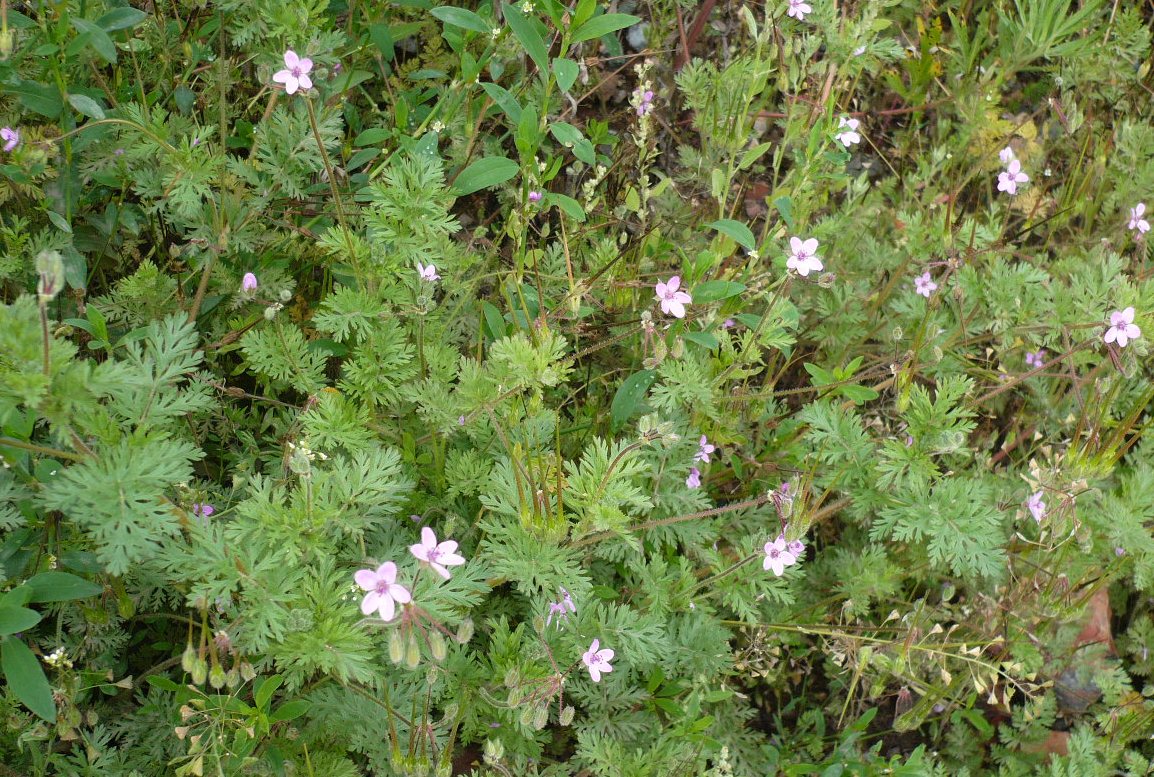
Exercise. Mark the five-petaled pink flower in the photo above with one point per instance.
(295, 74)
(202, 510)
(1009, 179)
(1036, 359)
(704, 448)
(597, 661)
(798, 9)
(804, 258)
(1122, 327)
(10, 137)
(673, 302)
(428, 273)
(437, 555)
(848, 135)
(694, 479)
(778, 556)
(384, 593)
(1036, 506)
(1136, 220)
(561, 609)
(248, 282)
(1006, 155)
(925, 284)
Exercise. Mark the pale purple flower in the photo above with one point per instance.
(1122, 327)
(859, 50)
(1035, 359)
(561, 609)
(643, 100)
(673, 301)
(10, 137)
(428, 273)
(384, 594)
(437, 555)
(597, 661)
(460, 420)
(1119, 551)
(248, 282)
(295, 74)
(848, 135)
(1036, 506)
(728, 323)
(777, 556)
(534, 196)
(925, 285)
(1136, 220)
(202, 510)
(796, 547)
(1006, 155)
(798, 9)
(804, 258)
(704, 448)
(694, 479)
(1009, 179)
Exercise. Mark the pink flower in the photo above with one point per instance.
(1012, 176)
(643, 100)
(728, 323)
(704, 448)
(10, 137)
(248, 282)
(1036, 359)
(673, 302)
(296, 73)
(849, 134)
(1122, 327)
(796, 547)
(694, 479)
(437, 555)
(804, 258)
(534, 196)
(798, 9)
(597, 661)
(384, 594)
(777, 556)
(428, 273)
(1136, 220)
(1006, 155)
(202, 510)
(561, 609)
(1036, 506)
(925, 285)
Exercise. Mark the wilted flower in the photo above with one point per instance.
(1036, 506)
(295, 74)
(804, 258)
(778, 556)
(798, 9)
(428, 273)
(694, 479)
(383, 591)
(1136, 220)
(925, 285)
(848, 135)
(1009, 179)
(704, 448)
(796, 547)
(437, 555)
(597, 661)
(672, 300)
(10, 137)
(1122, 327)
(248, 282)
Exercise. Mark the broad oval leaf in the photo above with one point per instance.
(14, 619)
(460, 17)
(57, 586)
(26, 678)
(603, 25)
(740, 233)
(627, 400)
(484, 173)
(712, 291)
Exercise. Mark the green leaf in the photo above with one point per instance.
(61, 587)
(569, 206)
(120, 19)
(705, 339)
(494, 321)
(264, 689)
(460, 17)
(820, 376)
(484, 173)
(627, 400)
(712, 291)
(858, 393)
(14, 619)
(290, 711)
(26, 678)
(603, 25)
(528, 35)
(752, 155)
(59, 221)
(86, 106)
(571, 138)
(566, 71)
(94, 36)
(504, 98)
(37, 97)
(736, 230)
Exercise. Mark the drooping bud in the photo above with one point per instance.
(437, 646)
(413, 652)
(567, 713)
(188, 658)
(540, 717)
(396, 647)
(216, 676)
(199, 671)
(50, 267)
(465, 631)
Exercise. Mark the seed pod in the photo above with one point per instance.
(396, 647)
(413, 652)
(216, 676)
(567, 713)
(188, 658)
(437, 646)
(465, 631)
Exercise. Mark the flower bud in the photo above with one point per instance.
(216, 676)
(437, 646)
(7, 42)
(247, 671)
(465, 631)
(50, 267)
(188, 658)
(199, 671)
(396, 647)
(527, 715)
(567, 713)
(541, 717)
(232, 679)
(413, 652)
(285, 295)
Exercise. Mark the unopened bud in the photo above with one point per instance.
(413, 652)
(512, 677)
(396, 647)
(437, 646)
(50, 267)
(541, 717)
(567, 713)
(199, 671)
(527, 715)
(7, 42)
(232, 679)
(285, 295)
(216, 676)
(247, 671)
(465, 631)
(825, 280)
(188, 658)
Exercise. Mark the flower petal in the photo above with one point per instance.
(388, 608)
(387, 572)
(400, 593)
(305, 81)
(291, 59)
(369, 603)
(305, 64)
(606, 655)
(366, 579)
